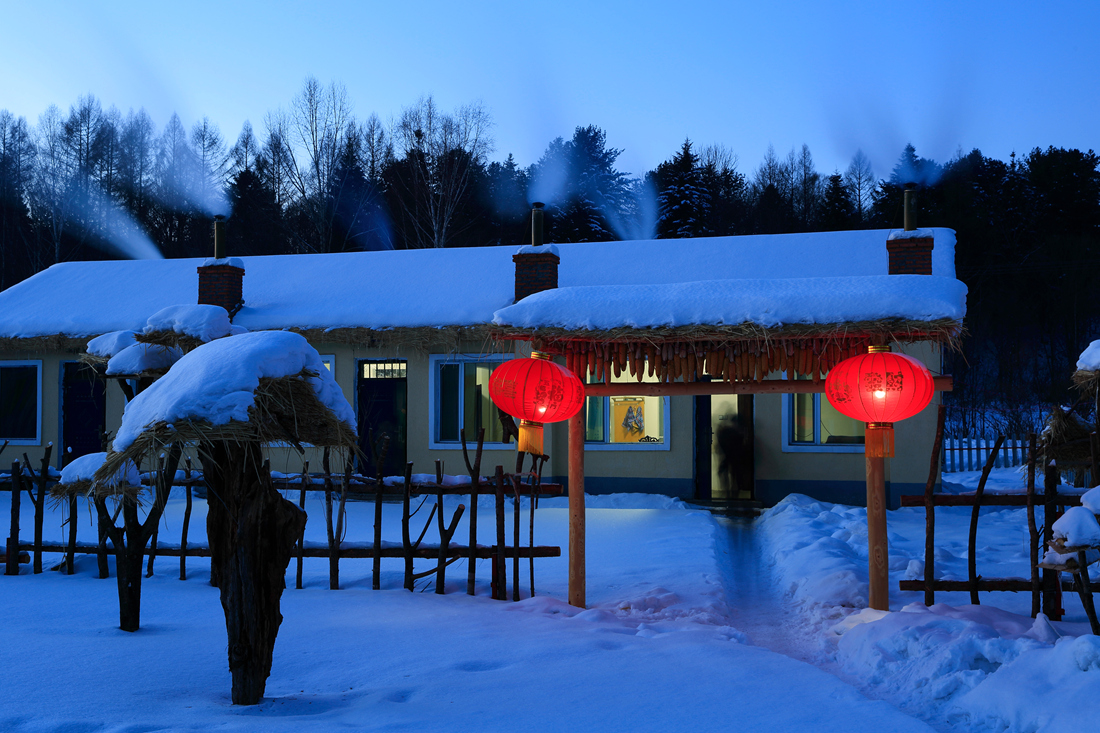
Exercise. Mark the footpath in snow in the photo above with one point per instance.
(655, 651)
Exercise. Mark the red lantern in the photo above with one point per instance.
(537, 391)
(879, 388)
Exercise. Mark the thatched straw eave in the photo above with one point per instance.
(38, 344)
(415, 339)
(944, 331)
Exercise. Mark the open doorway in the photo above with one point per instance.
(724, 437)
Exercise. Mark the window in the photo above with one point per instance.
(21, 402)
(329, 361)
(810, 423)
(626, 423)
(459, 386)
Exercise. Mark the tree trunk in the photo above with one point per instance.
(256, 532)
(128, 572)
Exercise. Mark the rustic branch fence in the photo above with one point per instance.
(1046, 591)
(37, 483)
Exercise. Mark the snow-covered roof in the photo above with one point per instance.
(767, 303)
(411, 288)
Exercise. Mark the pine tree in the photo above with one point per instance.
(683, 198)
(837, 209)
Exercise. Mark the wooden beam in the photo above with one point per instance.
(767, 386)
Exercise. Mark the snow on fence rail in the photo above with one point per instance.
(36, 485)
(970, 454)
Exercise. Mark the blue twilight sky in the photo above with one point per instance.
(999, 76)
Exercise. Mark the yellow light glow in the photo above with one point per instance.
(880, 394)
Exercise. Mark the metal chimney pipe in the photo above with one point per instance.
(536, 223)
(910, 202)
(219, 237)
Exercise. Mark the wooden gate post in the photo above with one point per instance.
(576, 511)
(878, 552)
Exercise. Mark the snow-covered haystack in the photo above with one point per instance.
(79, 478)
(186, 326)
(1087, 376)
(143, 361)
(101, 349)
(1065, 438)
(265, 386)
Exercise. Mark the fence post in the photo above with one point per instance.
(12, 565)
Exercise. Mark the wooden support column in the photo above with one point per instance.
(877, 547)
(576, 511)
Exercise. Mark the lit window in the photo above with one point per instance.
(811, 423)
(635, 422)
(460, 395)
(21, 402)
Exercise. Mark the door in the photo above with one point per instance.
(83, 411)
(382, 394)
(724, 447)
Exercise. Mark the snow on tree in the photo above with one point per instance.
(225, 399)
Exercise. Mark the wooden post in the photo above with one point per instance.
(500, 577)
(878, 549)
(306, 481)
(972, 545)
(1032, 530)
(12, 565)
(70, 555)
(40, 507)
(474, 469)
(186, 518)
(515, 541)
(576, 511)
(1052, 579)
(930, 510)
(406, 518)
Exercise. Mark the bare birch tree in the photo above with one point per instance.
(438, 154)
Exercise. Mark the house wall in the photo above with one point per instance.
(780, 473)
(838, 477)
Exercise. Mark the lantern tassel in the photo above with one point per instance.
(530, 437)
(879, 440)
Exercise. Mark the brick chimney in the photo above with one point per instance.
(911, 249)
(221, 279)
(537, 264)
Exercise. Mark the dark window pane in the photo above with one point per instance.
(448, 402)
(19, 403)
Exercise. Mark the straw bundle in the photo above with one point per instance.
(1087, 381)
(166, 337)
(1065, 438)
(285, 409)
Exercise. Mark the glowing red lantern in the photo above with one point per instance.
(879, 388)
(537, 391)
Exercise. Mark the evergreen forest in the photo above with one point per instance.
(95, 183)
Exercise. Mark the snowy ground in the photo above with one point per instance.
(693, 623)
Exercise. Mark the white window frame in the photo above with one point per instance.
(434, 362)
(607, 445)
(37, 363)
(789, 446)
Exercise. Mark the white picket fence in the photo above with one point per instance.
(970, 454)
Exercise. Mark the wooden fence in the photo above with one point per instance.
(335, 487)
